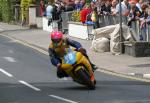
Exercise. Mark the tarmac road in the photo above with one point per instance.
(26, 76)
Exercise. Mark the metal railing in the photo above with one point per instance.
(105, 20)
(66, 16)
(143, 34)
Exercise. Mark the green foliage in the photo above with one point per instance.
(5, 10)
(25, 8)
(76, 16)
(0, 11)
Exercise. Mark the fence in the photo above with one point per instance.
(143, 33)
(105, 20)
(66, 16)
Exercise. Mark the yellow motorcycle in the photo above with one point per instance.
(78, 67)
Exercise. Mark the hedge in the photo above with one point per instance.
(6, 11)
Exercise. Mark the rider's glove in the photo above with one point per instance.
(59, 66)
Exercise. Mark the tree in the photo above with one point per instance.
(25, 9)
(6, 10)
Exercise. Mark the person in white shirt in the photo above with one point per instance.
(49, 10)
(113, 7)
(125, 8)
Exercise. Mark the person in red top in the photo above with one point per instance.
(42, 7)
(84, 12)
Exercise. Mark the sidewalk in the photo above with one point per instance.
(123, 64)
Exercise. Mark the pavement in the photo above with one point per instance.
(138, 67)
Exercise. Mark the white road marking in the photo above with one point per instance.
(27, 44)
(29, 85)
(10, 59)
(139, 101)
(142, 75)
(5, 72)
(146, 75)
(63, 79)
(63, 99)
(132, 74)
(11, 51)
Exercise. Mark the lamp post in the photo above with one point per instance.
(120, 30)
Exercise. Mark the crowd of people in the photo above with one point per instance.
(133, 9)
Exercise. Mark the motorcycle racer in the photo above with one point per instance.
(57, 51)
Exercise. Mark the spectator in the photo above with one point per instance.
(78, 5)
(106, 8)
(94, 18)
(148, 17)
(147, 2)
(135, 1)
(138, 4)
(125, 8)
(57, 9)
(49, 10)
(82, 3)
(93, 5)
(84, 12)
(69, 5)
(146, 20)
(42, 8)
(113, 7)
(144, 8)
(134, 13)
(99, 5)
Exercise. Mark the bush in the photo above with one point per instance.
(76, 16)
(0, 12)
(5, 10)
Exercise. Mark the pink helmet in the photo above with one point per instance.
(56, 35)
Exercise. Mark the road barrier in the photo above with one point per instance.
(142, 34)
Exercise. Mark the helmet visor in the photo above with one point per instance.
(56, 42)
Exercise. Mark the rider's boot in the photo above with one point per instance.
(61, 74)
(94, 67)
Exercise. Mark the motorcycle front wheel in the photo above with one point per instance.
(85, 78)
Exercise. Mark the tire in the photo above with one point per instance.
(85, 78)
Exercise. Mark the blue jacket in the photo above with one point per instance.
(54, 56)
